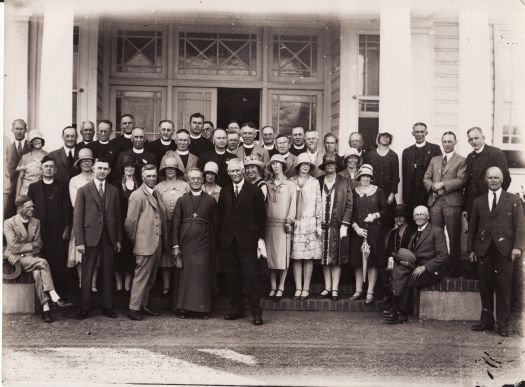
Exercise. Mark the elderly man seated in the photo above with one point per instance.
(24, 243)
(423, 264)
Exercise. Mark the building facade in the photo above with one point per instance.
(364, 66)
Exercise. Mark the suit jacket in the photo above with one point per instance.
(11, 160)
(431, 249)
(477, 165)
(343, 202)
(82, 144)
(101, 151)
(291, 163)
(160, 150)
(89, 214)
(505, 226)
(242, 219)
(145, 222)
(141, 159)
(223, 178)
(454, 176)
(258, 151)
(19, 241)
(60, 189)
(408, 160)
(64, 171)
(192, 161)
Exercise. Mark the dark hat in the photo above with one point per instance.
(400, 210)
(128, 161)
(331, 159)
(405, 257)
(47, 158)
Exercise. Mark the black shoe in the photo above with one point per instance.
(62, 304)
(146, 310)
(109, 313)
(83, 314)
(324, 294)
(271, 296)
(482, 327)
(503, 332)
(182, 314)
(278, 295)
(234, 316)
(304, 296)
(134, 315)
(257, 318)
(165, 293)
(46, 316)
(297, 294)
(397, 319)
(389, 312)
(335, 295)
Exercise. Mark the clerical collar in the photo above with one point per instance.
(248, 146)
(299, 147)
(183, 153)
(166, 143)
(422, 227)
(86, 142)
(269, 147)
(128, 136)
(196, 193)
(480, 149)
(196, 137)
(139, 151)
(103, 142)
(220, 152)
(47, 181)
(421, 145)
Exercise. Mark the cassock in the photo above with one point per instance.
(193, 230)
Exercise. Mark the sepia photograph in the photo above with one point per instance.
(263, 193)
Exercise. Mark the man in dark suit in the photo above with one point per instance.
(87, 132)
(13, 152)
(52, 207)
(298, 143)
(66, 156)
(184, 159)
(415, 161)
(98, 235)
(101, 147)
(165, 143)
(356, 141)
(478, 161)
(268, 137)
(218, 156)
(198, 144)
(428, 265)
(123, 142)
(140, 155)
(282, 143)
(444, 180)
(496, 237)
(242, 217)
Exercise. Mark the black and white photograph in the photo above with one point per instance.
(263, 193)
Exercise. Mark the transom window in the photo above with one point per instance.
(295, 56)
(139, 52)
(291, 110)
(204, 53)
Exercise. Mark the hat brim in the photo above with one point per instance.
(179, 172)
(10, 272)
(268, 168)
(338, 167)
(83, 158)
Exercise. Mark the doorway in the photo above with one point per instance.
(242, 105)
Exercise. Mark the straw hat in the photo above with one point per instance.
(84, 154)
(252, 160)
(170, 162)
(304, 159)
(276, 157)
(365, 170)
(35, 134)
(352, 152)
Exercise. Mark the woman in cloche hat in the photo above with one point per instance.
(211, 174)
(29, 167)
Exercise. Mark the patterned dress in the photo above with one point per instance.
(306, 244)
(32, 171)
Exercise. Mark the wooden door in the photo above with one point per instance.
(189, 100)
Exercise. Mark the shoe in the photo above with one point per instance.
(183, 314)
(109, 313)
(271, 296)
(134, 315)
(369, 298)
(233, 315)
(165, 292)
(398, 319)
(390, 312)
(62, 304)
(46, 316)
(335, 295)
(503, 332)
(324, 294)
(297, 294)
(83, 314)
(304, 296)
(257, 318)
(482, 327)
(146, 310)
(356, 296)
(94, 289)
(278, 295)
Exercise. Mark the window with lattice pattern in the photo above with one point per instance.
(295, 56)
(139, 52)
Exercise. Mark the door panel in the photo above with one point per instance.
(189, 100)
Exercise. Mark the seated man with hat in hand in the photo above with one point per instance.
(22, 233)
(422, 265)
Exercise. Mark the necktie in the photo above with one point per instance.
(19, 148)
(444, 162)
(155, 196)
(70, 157)
(416, 238)
(493, 202)
(101, 190)
(236, 191)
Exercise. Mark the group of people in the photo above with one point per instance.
(195, 202)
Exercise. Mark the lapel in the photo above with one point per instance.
(149, 197)
(179, 161)
(31, 229)
(499, 205)
(20, 229)
(242, 194)
(192, 160)
(63, 159)
(424, 235)
(94, 192)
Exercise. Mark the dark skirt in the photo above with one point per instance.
(376, 240)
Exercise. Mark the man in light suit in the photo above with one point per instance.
(145, 226)
(249, 147)
(415, 161)
(185, 159)
(13, 152)
(282, 143)
(22, 233)
(496, 237)
(242, 217)
(430, 256)
(444, 180)
(98, 234)
(66, 155)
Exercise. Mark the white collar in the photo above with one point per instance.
(248, 146)
(150, 190)
(269, 147)
(22, 219)
(312, 153)
(98, 182)
(196, 193)
(21, 142)
(448, 155)
(239, 185)
(491, 196)
(480, 149)
(86, 142)
(423, 227)
(299, 147)
(286, 155)
(139, 151)
(128, 136)
(166, 143)
(195, 137)
(67, 150)
(421, 145)
(103, 142)
(220, 152)
(183, 153)
(47, 182)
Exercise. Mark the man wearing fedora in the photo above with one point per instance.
(219, 156)
(52, 207)
(422, 264)
(23, 247)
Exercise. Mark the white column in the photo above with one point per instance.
(87, 70)
(395, 76)
(56, 76)
(474, 73)
(15, 56)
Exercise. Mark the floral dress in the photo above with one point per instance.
(32, 171)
